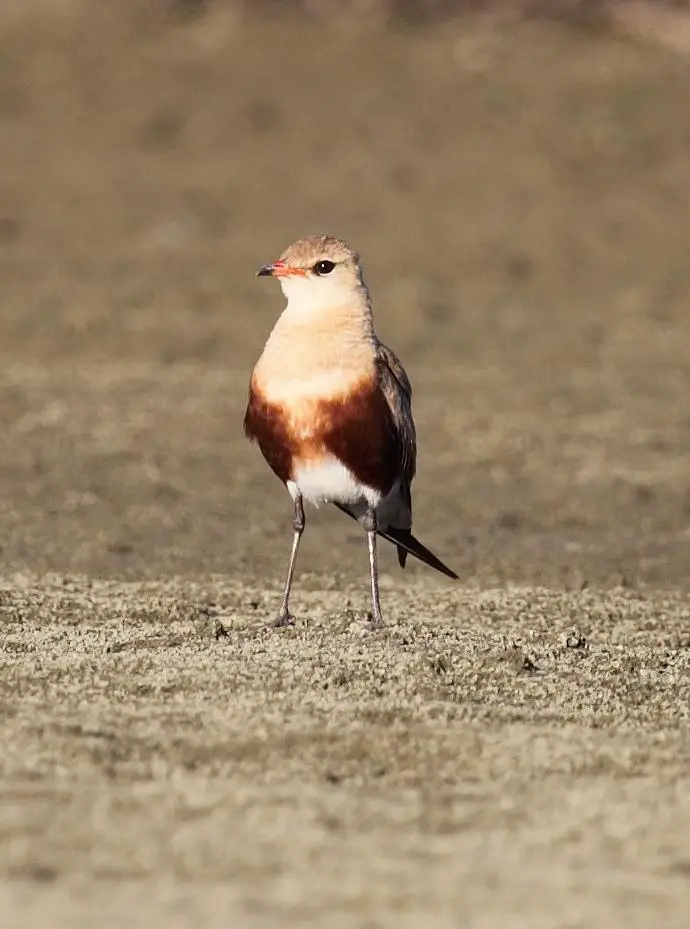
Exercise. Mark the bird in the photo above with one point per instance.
(330, 407)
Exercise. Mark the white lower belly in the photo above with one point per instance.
(329, 481)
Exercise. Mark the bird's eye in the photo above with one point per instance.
(323, 267)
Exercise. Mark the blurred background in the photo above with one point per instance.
(516, 177)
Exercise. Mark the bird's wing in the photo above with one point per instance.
(396, 388)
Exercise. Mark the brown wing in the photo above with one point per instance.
(396, 388)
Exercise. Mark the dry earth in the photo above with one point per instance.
(513, 750)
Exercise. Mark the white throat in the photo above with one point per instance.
(322, 294)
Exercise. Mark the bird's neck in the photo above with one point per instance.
(329, 345)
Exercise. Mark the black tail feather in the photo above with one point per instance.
(407, 544)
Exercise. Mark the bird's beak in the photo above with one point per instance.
(266, 271)
(279, 269)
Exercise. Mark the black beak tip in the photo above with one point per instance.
(265, 271)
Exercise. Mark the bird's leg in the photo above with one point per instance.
(370, 523)
(285, 618)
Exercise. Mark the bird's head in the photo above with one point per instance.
(317, 271)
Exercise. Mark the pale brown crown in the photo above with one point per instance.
(306, 252)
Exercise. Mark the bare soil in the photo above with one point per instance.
(512, 750)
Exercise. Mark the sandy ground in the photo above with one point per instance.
(497, 757)
(512, 750)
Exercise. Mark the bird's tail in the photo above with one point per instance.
(406, 544)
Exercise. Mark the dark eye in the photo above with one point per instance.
(323, 267)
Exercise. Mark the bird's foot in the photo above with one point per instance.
(376, 621)
(282, 620)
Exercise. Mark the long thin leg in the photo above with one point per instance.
(370, 525)
(285, 617)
